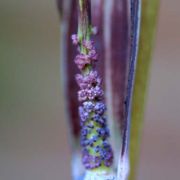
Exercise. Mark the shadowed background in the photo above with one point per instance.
(33, 134)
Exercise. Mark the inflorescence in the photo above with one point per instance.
(96, 150)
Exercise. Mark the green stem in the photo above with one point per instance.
(84, 22)
(84, 27)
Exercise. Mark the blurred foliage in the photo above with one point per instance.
(147, 32)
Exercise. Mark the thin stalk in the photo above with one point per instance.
(84, 27)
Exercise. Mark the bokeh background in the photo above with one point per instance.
(33, 134)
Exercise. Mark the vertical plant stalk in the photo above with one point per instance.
(123, 38)
(97, 154)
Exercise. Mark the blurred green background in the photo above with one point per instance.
(33, 134)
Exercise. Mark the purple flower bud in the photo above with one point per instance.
(84, 131)
(93, 78)
(91, 142)
(106, 155)
(103, 132)
(82, 60)
(95, 92)
(97, 161)
(91, 162)
(100, 108)
(82, 95)
(83, 114)
(99, 119)
(91, 94)
(75, 39)
(85, 159)
(85, 142)
(93, 54)
(106, 144)
(108, 163)
(88, 44)
(88, 81)
(80, 80)
(88, 106)
(97, 149)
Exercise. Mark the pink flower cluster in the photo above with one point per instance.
(84, 59)
(89, 86)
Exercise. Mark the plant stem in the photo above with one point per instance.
(84, 21)
(84, 27)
